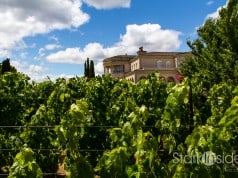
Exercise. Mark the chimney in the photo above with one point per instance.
(141, 51)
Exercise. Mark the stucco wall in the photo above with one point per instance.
(151, 61)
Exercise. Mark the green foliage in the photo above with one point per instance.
(114, 128)
(215, 51)
(212, 73)
(25, 166)
(72, 126)
(113, 163)
(69, 132)
(219, 99)
(12, 101)
(228, 125)
(80, 167)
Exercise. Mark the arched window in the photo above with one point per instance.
(142, 77)
(170, 79)
(168, 64)
(159, 64)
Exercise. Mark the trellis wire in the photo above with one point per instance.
(83, 126)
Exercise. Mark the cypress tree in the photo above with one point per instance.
(91, 70)
(86, 68)
(6, 67)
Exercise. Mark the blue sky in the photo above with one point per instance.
(54, 37)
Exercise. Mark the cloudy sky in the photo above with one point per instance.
(54, 37)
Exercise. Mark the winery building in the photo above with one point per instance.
(136, 67)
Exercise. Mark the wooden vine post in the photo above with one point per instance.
(61, 172)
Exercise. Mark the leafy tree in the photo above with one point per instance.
(214, 60)
(216, 49)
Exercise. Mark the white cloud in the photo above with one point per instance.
(210, 3)
(23, 55)
(150, 36)
(47, 47)
(46, 77)
(41, 53)
(54, 38)
(35, 68)
(215, 14)
(108, 4)
(52, 46)
(37, 72)
(70, 55)
(19, 65)
(99, 68)
(94, 51)
(31, 70)
(24, 18)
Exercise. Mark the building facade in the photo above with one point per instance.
(136, 67)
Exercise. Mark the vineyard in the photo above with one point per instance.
(112, 128)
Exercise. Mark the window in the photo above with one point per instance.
(107, 70)
(142, 77)
(118, 69)
(159, 64)
(133, 66)
(168, 64)
(170, 79)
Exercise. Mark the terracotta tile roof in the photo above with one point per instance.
(144, 53)
(163, 53)
(119, 58)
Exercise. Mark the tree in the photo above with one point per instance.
(216, 49)
(89, 69)
(86, 68)
(6, 67)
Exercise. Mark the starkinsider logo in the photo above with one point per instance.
(208, 158)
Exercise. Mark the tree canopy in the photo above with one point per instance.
(6, 66)
(216, 49)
